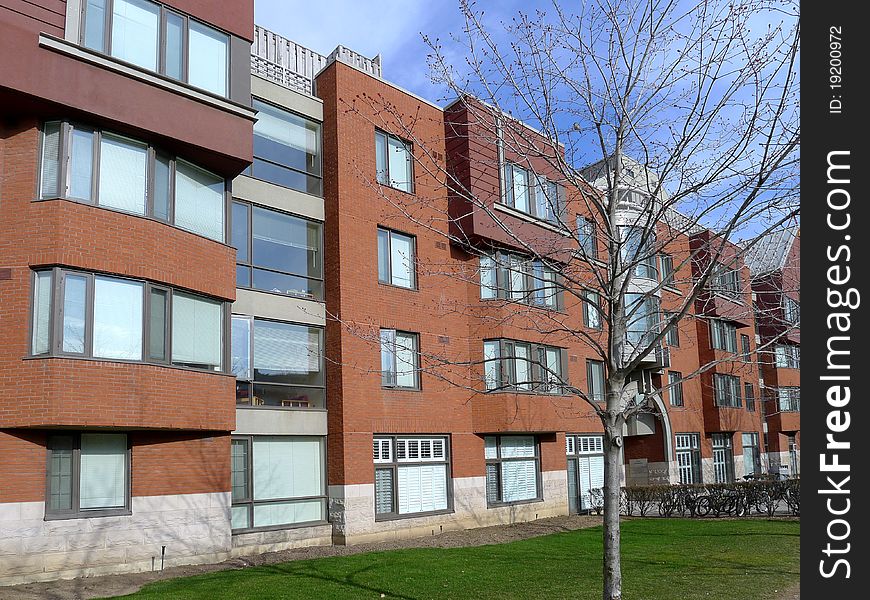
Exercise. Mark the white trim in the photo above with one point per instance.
(109, 63)
(529, 218)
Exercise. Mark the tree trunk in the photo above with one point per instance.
(612, 494)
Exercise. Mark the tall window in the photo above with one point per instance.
(642, 313)
(277, 481)
(789, 399)
(788, 356)
(521, 279)
(522, 366)
(532, 194)
(512, 469)
(638, 250)
(122, 319)
(667, 270)
(395, 162)
(156, 38)
(122, 174)
(751, 454)
(675, 388)
(726, 390)
(726, 282)
(595, 380)
(723, 335)
(791, 311)
(723, 458)
(277, 252)
(400, 359)
(277, 364)
(745, 348)
(396, 259)
(412, 475)
(688, 454)
(88, 475)
(586, 236)
(672, 334)
(749, 394)
(286, 150)
(592, 309)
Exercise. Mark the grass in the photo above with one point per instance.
(663, 559)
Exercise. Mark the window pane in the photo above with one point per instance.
(74, 294)
(95, 25)
(522, 367)
(283, 176)
(383, 491)
(292, 285)
(402, 260)
(122, 174)
(199, 201)
(239, 236)
(50, 160)
(286, 353)
(383, 255)
(488, 284)
(520, 191)
(517, 446)
(422, 488)
(287, 139)
(102, 482)
(491, 366)
(60, 473)
(81, 164)
(492, 483)
(553, 374)
(240, 361)
(174, 45)
(381, 157)
(157, 326)
(117, 319)
(241, 518)
(286, 243)
(388, 357)
(285, 467)
(243, 276)
(239, 466)
(161, 188)
(399, 159)
(284, 513)
(406, 360)
(207, 58)
(519, 480)
(134, 32)
(42, 289)
(196, 332)
(286, 396)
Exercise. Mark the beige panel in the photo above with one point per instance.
(282, 308)
(275, 196)
(262, 421)
(303, 104)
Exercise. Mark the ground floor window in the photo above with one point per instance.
(723, 458)
(277, 481)
(585, 469)
(513, 466)
(688, 451)
(793, 456)
(88, 475)
(751, 454)
(412, 475)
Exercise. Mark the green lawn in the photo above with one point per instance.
(668, 559)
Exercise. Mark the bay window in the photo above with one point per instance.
(789, 399)
(642, 317)
(726, 390)
(122, 174)
(515, 277)
(412, 475)
(638, 251)
(788, 356)
(512, 469)
(726, 282)
(791, 311)
(533, 194)
(512, 365)
(723, 335)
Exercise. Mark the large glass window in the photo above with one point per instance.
(286, 149)
(412, 475)
(532, 194)
(122, 174)
(512, 365)
(396, 259)
(592, 310)
(521, 279)
(400, 359)
(723, 458)
(277, 364)
(277, 252)
(394, 161)
(277, 481)
(789, 399)
(642, 314)
(688, 454)
(726, 282)
(726, 390)
(788, 356)
(751, 454)
(638, 250)
(88, 475)
(154, 37)
(512, 469)
(723, 335)
(123, 319)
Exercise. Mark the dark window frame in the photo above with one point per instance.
(389, 258)
(592, 306)
(672, 333)
(675, 389)
(394, 464)
(594, 395)
(726, 282)
(749, 396)
(745, 348)
(792, 403)
(726, 444)
(587, 237)
(392, 376)
(506, 371)
(497, 462)
(725, 332)
(693, 449)
(727, 394)
(791, 311)
(409, 149)
(532, 181)
(75, 512)
(667, 274)
(531, 294)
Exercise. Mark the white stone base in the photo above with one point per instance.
(352, 510)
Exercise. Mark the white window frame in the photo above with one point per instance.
(392, 453)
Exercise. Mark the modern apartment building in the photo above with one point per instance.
(237, 319)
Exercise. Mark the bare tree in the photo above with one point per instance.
(673, 127)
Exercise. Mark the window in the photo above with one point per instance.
(277, 364)
(412, 475)
(749, 394)
(287, 150)
(400, 359)
(723, 335)
(642, 315)
(155, 38)
(521, 279)
(751, 454)
(586, 237)
(394, 161)
(688, 454)
(585, 469)
(277, 481)
(726, 282)
(672, 333)
(637, 251)
(667, 270)
(522, 366)
(122, 174)
(595, 380)
(726, 390)
(512, 469)
(789, 399)
(791, 311)
(532, 194)
(723, 458)
(675, 388)
(277, 252)
(123, 319)
(591, 309)
(788, 356)
(88, 475)
(745, 348)
(396, 259)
